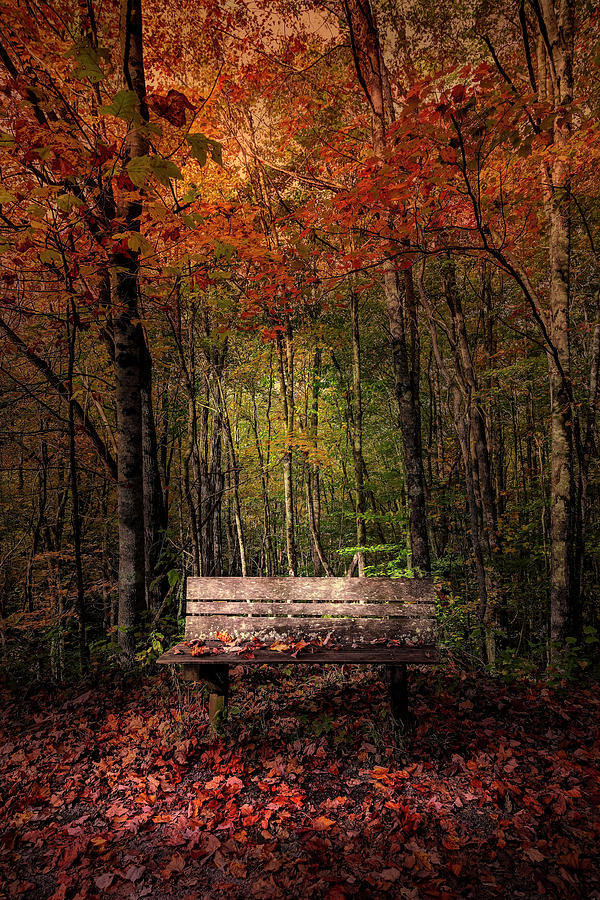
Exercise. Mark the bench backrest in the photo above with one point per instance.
(354, 610)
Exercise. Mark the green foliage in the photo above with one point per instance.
(201, 147)
(125, 106)
(88, 61)
(155, 646)
(140, 168)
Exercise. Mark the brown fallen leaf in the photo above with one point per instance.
(174, 866)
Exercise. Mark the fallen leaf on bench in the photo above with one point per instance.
(279, 647)
(224, 636)
(200, 650)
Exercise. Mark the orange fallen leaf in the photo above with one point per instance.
(322, 823)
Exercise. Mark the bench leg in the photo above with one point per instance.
(217, 678)
(399, 692)
(190, 673)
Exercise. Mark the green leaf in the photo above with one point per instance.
(5, 196)
(202, 146)
(173, 577)
(139, 169)
(138, 243)
(66, 202)
(50, 257)
(164, 170)
(87, 61)
(125, 106)
(224, 251)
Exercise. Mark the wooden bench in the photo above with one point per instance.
(379, 621)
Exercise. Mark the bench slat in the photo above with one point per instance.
(373, 655)
(270, 629)
(326, 590)
(361, 610)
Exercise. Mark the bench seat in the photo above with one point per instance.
(377, 621)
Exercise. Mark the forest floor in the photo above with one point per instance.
(120, 791)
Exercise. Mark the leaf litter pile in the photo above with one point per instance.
(311, 792)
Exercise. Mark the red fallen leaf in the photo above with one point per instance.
(176, 865)
(104, 881)
(392, 874)
(225, 637)
(214, 783)
(451, 842)
(134, 873)
(237, 869)
(210, 846)
(234, 783)
(534, 855)
(336, 892)
(60, 893)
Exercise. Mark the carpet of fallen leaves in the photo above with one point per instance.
(120, 791)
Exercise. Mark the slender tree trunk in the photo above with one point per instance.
(237, 509)
(555, 76)
(155, 510)
(75, 513)
(286, 377)
(129, 358)
(313, 484)
(357, 436)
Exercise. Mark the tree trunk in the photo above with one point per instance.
(286, 377)
(357, 436)
(155, 510)
(555, 76)
(129, 358)
(372, 75)
(75, 514)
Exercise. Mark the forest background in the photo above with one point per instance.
(298, 288)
